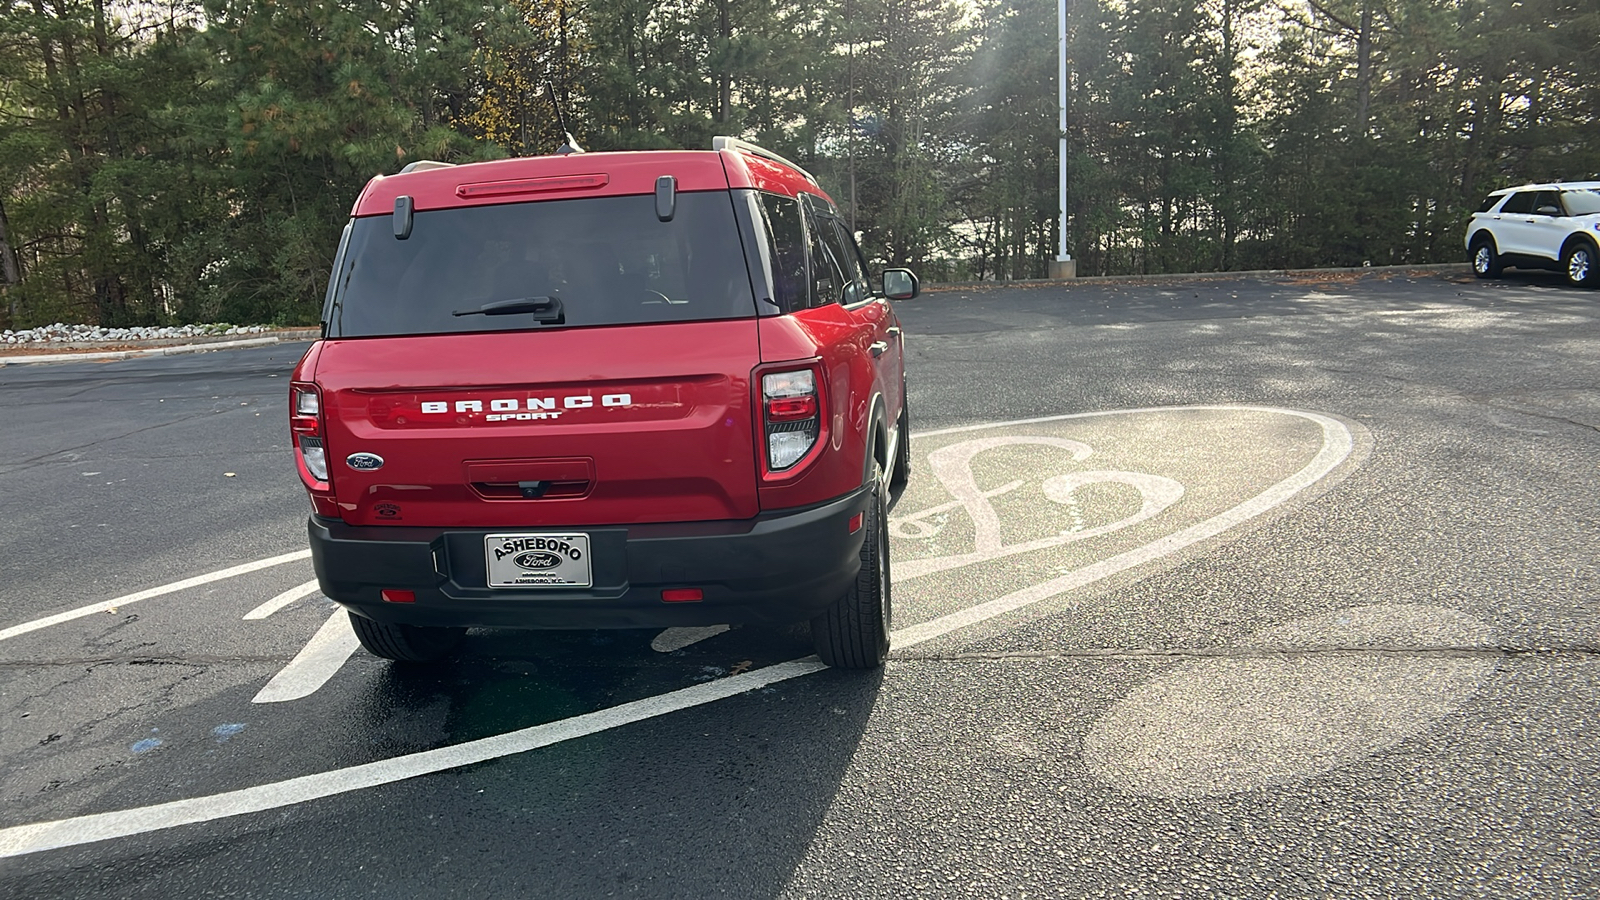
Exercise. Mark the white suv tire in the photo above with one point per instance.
(1580, 261)
(1485, 258)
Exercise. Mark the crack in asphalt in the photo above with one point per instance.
(203, 660)
(1348, 651)
(1550, 417)
(1352, 651)
(44, 459)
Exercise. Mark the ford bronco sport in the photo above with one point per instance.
(604, 390)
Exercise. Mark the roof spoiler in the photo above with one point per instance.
(723, 142)
(423, 165)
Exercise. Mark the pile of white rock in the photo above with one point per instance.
(73, 334)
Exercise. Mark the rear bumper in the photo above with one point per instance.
(777, 568)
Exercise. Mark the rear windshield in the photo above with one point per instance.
(609, 260)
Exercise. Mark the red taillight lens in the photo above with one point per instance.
(391, 595)
(683, 595)
(785, 409)
(792, 411)
(305, 422)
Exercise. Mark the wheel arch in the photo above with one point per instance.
(1579, 237)
(877, 440)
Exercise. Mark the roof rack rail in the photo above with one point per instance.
(423, 165)
(723, 142)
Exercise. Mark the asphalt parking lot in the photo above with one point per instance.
(1234, 588)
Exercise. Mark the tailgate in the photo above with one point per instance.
(598, 426)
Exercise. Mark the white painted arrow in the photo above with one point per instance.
(317, 662)
(282, 600)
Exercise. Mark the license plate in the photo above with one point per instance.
(538, 560)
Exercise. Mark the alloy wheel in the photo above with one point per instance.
(1578, 266)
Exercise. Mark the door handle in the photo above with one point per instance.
(878, 347)
(894, 331)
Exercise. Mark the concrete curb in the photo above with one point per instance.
(311, 334)
(1254, 274)
(157, 351)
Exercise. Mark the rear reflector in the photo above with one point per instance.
(855, 522)
(683, 595)
(393, 596)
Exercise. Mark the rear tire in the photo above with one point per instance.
(1485, 260)
(1581, 264)
(405, 643)
(853, 633)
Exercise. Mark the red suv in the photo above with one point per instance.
(604, 390)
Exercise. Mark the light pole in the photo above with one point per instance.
(1064, 266)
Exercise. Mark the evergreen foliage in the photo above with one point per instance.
(195, 160)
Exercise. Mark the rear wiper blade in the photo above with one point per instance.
(544, 309)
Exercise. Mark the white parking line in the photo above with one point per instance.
(283, 599)
(1338, 443)
(39, 836)
(118, 602)
(318, 661)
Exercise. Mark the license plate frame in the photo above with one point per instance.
(537, 560)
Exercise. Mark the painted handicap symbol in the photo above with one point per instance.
(952, 466)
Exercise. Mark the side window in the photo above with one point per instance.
(827, 275)
(858, 261)
(1489, 203)
(855, 290)
(788, 240)
(1520, 202)
(1546, 201)
(1581, 203)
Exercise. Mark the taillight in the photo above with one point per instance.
(792, 413)
(305, 422)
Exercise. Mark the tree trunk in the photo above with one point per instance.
(10, 270)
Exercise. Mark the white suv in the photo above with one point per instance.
(1544, 226)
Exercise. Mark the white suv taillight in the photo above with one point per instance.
(305, 421)
(792, 413)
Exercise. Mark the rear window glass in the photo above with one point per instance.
(609, 261)
(1489, 202)
(787, 238)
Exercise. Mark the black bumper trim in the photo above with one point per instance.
(775, 568)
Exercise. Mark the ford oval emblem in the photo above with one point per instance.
(537, 559)
(364, 462)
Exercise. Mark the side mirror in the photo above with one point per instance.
(900, 284)
(1548, 211)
